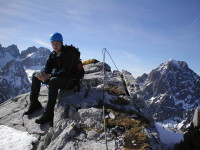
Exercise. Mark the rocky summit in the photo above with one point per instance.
(171, 93)
(192, 135)
(7, 54)
(33, 57)
(168, 95)
(78, 120)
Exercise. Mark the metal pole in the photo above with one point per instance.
(104, 51)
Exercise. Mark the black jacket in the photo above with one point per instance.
(60, 66)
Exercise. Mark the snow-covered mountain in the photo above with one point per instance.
(34, 56)
(15, 67)
(34, 59)
(171, 93)
(13, 80)
(7, 54)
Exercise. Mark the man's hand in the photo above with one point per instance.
(44, 77)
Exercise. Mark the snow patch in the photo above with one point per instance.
(163, 67)
(168, 137)
(175, 63)
(29, 71)
(12, 139)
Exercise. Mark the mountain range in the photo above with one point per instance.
(169, 94)
(16, 69)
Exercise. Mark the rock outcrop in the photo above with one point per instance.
(34, 57)
(8, 54)
(192, 135)
(171, 93)
(13, 80)
(15, 67)
(78, 120)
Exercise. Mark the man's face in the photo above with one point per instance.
(56, 45)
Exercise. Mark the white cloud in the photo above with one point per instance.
(42, 43)
(26, 10)
(130, 56)
(195, 20)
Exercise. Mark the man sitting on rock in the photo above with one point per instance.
(58, 74)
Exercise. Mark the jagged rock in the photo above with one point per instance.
(48, 137)
(132, 88)
(13, 80)
(130, 82)
(153, 135)
(141, 80)
(78, 118)
(93, 79)
(91, 118)
(97, 67)
(170, 92)
(8, 54)
(111, 80)
(196, 118)
(34, 57)
(92, 135)
(28, 51)
(191, 137)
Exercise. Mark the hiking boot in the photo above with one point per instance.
(33, 107)
(45, 118)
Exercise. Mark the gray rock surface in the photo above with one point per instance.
(13, 80)
(96, 67)
(131, 83)
(196, 118)
(8, 54)
(34, 57)
(78, 117)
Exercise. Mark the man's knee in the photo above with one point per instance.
(33, 75)
(53, 81)
(57, 82)
(34, 78)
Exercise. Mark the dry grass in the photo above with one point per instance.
(114, 90)
(97, 130)
(134, 138)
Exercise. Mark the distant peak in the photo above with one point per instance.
(174, 62)
(13, 46)
(178, 64)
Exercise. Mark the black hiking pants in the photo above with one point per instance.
(55, 83)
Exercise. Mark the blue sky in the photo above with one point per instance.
(139, 34)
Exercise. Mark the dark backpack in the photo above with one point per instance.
(78, 70)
